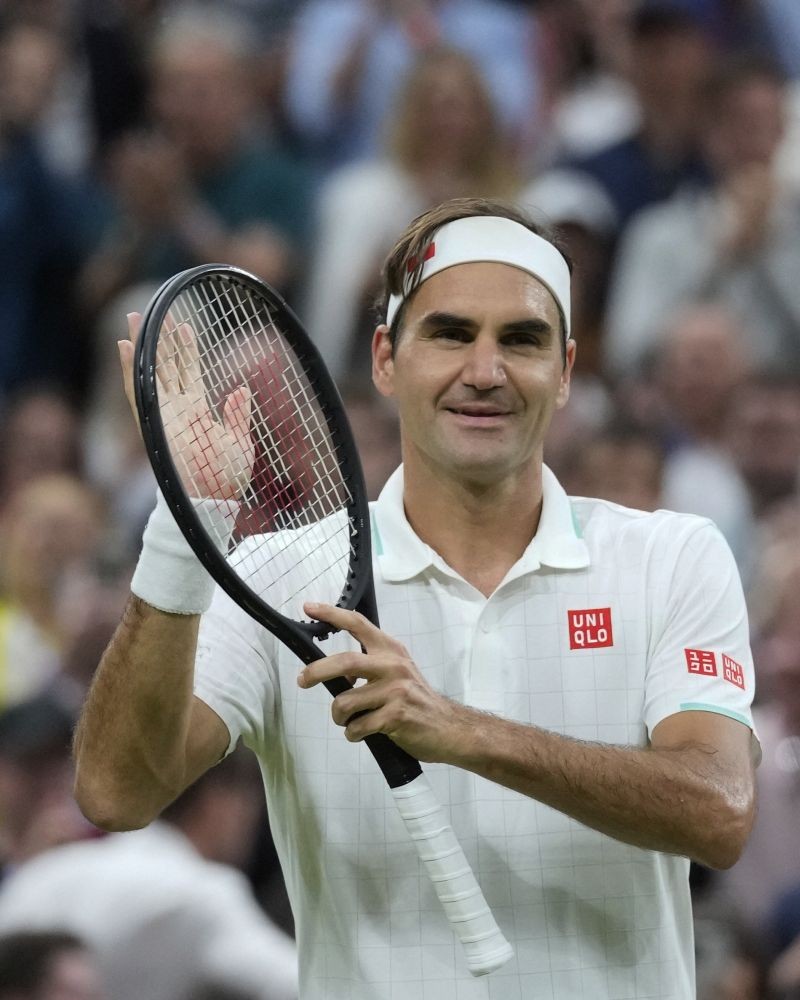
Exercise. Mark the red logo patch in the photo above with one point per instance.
(414, 261)
(590, 629)
(701, 661)
(732, 671)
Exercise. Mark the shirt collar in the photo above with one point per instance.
(402, 554)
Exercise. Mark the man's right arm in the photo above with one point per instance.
(143, 736)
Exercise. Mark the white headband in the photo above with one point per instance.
(496, 240)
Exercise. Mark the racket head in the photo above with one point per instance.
(218, 336)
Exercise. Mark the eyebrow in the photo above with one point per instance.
(526, 325)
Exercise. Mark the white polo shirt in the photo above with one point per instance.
(611, 621)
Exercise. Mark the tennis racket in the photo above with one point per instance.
(252, 450)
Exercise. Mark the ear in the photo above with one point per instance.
(566, 375)
(382, 361)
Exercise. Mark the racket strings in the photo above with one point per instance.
(247, 431)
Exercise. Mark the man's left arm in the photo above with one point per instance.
(690, 792)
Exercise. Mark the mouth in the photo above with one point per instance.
(479, 415)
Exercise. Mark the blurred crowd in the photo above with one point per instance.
(141, 137)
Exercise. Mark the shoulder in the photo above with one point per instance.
(604, 523)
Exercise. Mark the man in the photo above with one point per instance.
(206, 183)
(347, 58)
(576, 674)
(670, 54)
(734, 244)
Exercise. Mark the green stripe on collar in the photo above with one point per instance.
(377, 541)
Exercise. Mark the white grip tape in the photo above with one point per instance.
(448, 869)
(168, 575)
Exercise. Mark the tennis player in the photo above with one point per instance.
(577, 674)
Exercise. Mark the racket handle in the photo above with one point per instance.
(448, 869)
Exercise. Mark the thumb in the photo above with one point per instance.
(126, 350)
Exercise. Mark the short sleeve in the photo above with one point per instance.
(700, 658)
(233, 670)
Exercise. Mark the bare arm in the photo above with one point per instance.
(143, 737)
(691, 792)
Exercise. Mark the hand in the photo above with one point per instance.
(395, 700)
(215, 458)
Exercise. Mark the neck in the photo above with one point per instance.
(479, 529)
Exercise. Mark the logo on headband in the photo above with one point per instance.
(414, 262)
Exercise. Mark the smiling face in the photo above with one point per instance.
(477, 372)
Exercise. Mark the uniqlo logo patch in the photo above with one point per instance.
(701, 661)
(732, 671)
(590, 629)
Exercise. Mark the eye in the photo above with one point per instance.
(454, 333)
(523, 338)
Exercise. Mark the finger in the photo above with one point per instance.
(236, 414)
(134, 326)
(166, 366)
(126, 354)
(349, 665)
(187, 353)
(365, 698)
(362, 629)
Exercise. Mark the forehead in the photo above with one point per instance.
(485, 291)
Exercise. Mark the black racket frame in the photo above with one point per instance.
(398, 767)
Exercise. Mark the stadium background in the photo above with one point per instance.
(139, 137)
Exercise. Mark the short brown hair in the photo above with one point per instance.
(408, 254)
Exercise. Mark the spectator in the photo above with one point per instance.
(699, 370)
(586, 222)
(730, 963)
(621, 464)
(737, 243)
(784, 973)
(49, 528)
(40, 434)
(116, 461)
(670, 56)
(206, 184)
(37, 810)
(376, 429)
(587, 102)
(163, 908)
(768, 867)
(348, 57)
(115, 41)
(445, 142)
(47, 966)
(764, 437)
(701, 363)
(43, 236)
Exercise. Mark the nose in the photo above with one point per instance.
(484, 367)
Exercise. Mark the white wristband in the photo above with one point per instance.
(168, 575)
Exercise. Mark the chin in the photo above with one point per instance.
(486, 470)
